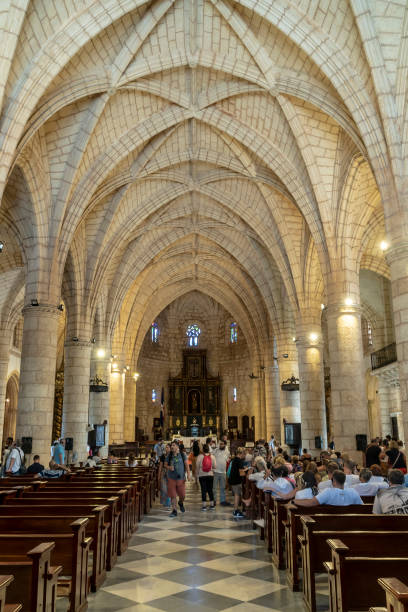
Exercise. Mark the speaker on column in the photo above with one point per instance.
(318, 441)
(361, 442)
(27, 445)
(69, 444)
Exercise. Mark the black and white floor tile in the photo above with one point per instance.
(203, 561)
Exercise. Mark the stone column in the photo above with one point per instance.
(349, 407)
(37, 377)
(272, 401)
(75, 413)
(130, 407)
(99, 403)
(288, 367)
(311, 385)
(117, 399)
(5, 342)
(397, 259)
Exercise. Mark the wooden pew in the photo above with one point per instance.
(87, 498)
(35, 584)
(7, 494)
(76, 509)
(277, 516)
(294, 528)
(350, 528)
(396, 593)
(353, 572)
(5, 581)
(71, 552)
(97, 529)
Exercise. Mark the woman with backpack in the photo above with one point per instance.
(205, 471)
(177, 468)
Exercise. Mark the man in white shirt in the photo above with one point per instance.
(15, 460)
(221, 455)
(393, 500)
(366, 486)
(327, 484)
(336, 496)
(272, 445)
(351, 477)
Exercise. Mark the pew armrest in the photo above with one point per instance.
(395, 587)
(329, 567)
(337, 546)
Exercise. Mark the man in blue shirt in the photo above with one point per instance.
(59, 452)
(336, 495)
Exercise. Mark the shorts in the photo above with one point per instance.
(176, 488)
(237, 489)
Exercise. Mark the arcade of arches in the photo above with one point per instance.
(204, 162)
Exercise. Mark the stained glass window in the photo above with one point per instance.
(233, 333)
(193, 333)
(369, 334)
(154, 395)
(234, 394)
(155, 332)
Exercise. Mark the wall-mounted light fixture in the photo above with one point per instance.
(348, 301)
(34, 302)
(100, 353)
(136, 376)
(313, 336)
(115, 368)
(61, 307)
(1, 246)
(75, 339)
(383, 245)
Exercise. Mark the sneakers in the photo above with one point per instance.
(225, 503)
(173, 514)
(238, 514)
(181, 506)
(212, 507)
(204, 509)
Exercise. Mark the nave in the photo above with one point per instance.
(200, 560)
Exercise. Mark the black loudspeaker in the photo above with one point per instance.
(27, 445)
(361, 442)
(69, 444)
(318, 442)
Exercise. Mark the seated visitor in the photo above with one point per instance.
(55, 471)
(112, 459)
(307, 486)
(36, 466)
(96, 457)
(367, 486)
(296, 465)
(305, 455)
(377, 473)
(330, 469)
(373, 453)
(153, 459)
(350, 470)
(258, 471)
(278, 482)
(131, 461)
(337, 495)
(393, 500)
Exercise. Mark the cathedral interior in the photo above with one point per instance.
(202, 200)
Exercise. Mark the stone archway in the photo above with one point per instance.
(10, 410)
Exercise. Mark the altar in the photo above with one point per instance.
(194, 398)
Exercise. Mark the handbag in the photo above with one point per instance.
(23, 469)
(398, 456)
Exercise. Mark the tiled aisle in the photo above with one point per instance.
(202, 561)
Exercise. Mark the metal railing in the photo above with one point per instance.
(386, 355)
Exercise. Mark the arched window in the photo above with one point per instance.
(155, 332)
(233, 333)
(193, 333)
(154, 395)
(234, 394)
(369, 334)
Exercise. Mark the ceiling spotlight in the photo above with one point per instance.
(100, 353)
(383, 245)
(348, 301)
(313, 336)
(136, 376)
(61, 307)
(34, 303)
(1, 246)
(322, 306)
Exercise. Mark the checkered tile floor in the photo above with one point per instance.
(206, 561)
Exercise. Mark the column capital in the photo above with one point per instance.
(396, 252)
(78, 344)
(338, 308)
(41, 310)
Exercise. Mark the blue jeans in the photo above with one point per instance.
(219, 479)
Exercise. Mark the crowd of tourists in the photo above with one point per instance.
(331, 478)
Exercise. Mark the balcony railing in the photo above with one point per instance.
(384, 356)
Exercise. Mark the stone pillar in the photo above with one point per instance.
(75, 413)
(349, 407)
(272, 401)
(311, 385)
(5, 342)
(37, 377)
(256, 405)
(397, 259)
(117, 399)
(99, 403)
(130, 407)
(384, 402)
(289, 400)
